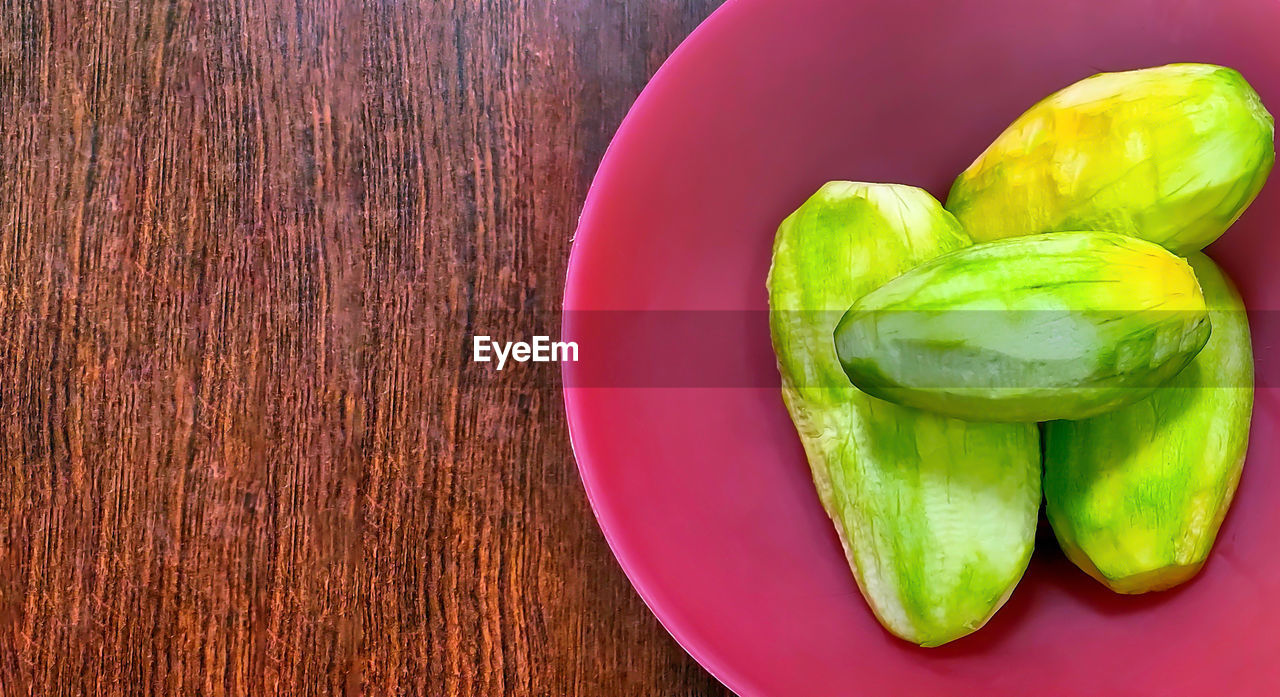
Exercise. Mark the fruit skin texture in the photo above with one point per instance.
(1136, 496)
(1054, 326)
(937, 516)
(1171, 154)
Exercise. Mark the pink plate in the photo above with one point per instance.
(691, 463)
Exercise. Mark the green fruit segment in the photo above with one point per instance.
(1136, 496)
(1171, 154)
(937, 516)
(1054, 326)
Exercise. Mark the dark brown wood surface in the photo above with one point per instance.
(243, 247)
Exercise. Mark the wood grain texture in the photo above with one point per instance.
(243, 247)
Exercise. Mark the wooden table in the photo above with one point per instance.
(245, 245)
